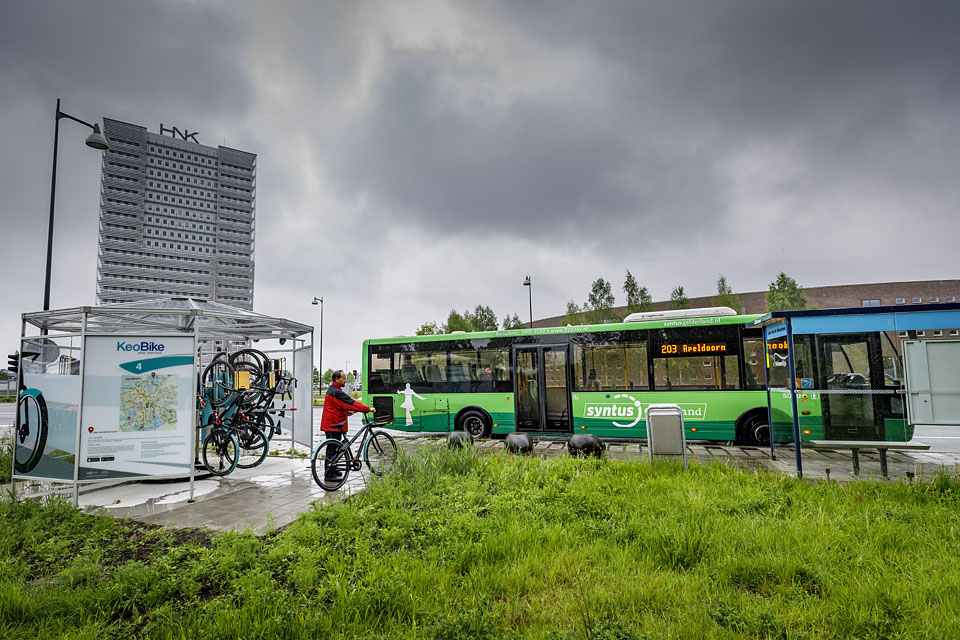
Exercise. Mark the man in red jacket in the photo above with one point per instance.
(337, 405)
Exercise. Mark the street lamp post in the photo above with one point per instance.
(529, 286)
(96, 141)
(319, 301)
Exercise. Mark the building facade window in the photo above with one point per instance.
(872, 302)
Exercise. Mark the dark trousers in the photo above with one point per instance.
(331, 449)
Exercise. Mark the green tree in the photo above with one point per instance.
(785, 294)
(600, 301)
(350, 377)
(638, 298)
(678, 299)
(328, 376)
(483, 319)
(456, 322)
(726, 297)
(428, 329)
(513, 322)
(574, 314)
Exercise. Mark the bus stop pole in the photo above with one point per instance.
(793, 397)
(766, 380)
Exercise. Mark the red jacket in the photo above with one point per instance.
(337, 405)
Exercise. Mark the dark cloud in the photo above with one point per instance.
(675, 92)
(173, 58)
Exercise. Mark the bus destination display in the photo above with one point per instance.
(691, 348)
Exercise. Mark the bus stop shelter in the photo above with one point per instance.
(110, 393)
(868, 373)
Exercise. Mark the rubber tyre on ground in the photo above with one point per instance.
(475, 423)
(380, 453)
(520, 443)
(584, 445)
(254, 446)
(220, 451)
(30, 438)
(340, 465)
(756, 432)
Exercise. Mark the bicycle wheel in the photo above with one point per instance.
(380, 452)
(330, 471)
(31, 435)
(217, 382)
(253, 446)
(257, 364)
(269, 425)
(220, 451)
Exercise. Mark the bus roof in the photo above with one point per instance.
(580, 328)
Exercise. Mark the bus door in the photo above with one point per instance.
(848, 369)
(542, 393)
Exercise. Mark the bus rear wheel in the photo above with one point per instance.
(475, 423)
(756, 432)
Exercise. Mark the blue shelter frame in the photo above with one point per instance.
(786, 324)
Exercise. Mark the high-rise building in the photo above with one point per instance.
(176, 218)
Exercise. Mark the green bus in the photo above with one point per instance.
(594, 379)
(598, 379)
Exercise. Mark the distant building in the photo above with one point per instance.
(882, 294)
(176, 218)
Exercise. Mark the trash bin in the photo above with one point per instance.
(665, 433)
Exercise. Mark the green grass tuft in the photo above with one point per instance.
(460, 545)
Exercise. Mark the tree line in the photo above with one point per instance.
(482, 318)
(783, 294)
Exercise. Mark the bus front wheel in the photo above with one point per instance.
(475, 423)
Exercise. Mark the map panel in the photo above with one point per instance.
(148, 403)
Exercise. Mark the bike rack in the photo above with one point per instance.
(76, 413)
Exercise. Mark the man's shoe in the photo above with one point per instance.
(333, 476)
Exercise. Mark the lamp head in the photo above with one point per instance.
(317, 300)
(96, 140)
(526, 282)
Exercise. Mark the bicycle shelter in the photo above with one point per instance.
(109, 393)
(870, 373)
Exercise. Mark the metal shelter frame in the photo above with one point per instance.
(786, 324)
(167, 317)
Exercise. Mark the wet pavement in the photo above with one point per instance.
(275, 493)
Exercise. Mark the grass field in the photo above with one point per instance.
(460, 545)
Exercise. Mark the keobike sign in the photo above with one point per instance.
(138, 402)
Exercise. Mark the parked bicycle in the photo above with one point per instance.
(236, 400)
(335, 459)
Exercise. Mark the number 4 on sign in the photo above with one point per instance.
(139, 366)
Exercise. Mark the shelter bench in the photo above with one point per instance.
(856, 445)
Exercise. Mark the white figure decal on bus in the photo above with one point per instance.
(408, 402)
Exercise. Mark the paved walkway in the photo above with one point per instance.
(275, 493)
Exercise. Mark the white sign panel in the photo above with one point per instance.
(138, 405)
(303, 396)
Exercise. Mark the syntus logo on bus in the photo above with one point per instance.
(632, 412)
(144, 347)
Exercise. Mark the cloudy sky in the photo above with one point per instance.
(426, 155)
